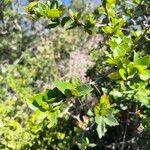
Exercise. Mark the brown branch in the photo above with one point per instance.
(125, 131)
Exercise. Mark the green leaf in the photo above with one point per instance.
(101, 10)
(90, 20)
(73, 91)
(111, 1)
(73, 13)
(61, 85)
(102, 106)
(109, 4)
(12, 144)
(142, 97)
(141, 60)
(131, 70)
(89, 23)
(52, 118)
(41, 8)
(31, 105)
(119, 51)
(40, 115)
(145, 75)
(66, 88)
(110, 120)
(54, 4)
(115, 93)
(123, 73)
(7, 1)
(141, 68)
(52, 25)
(125, 46)
(53, 95)
(75, 81)
(92, 145)
(84, 90)
(113, 44)
(53, 13)
(30, 7)
(114, 76)
(108, 30)
(36, 101)
(136, 58)
(101, 127)
(67, 22)
(39, 98)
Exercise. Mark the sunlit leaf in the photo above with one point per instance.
(122, 73)
(52, 116)
(110, 120)
(30, 6)
(53, 13)
(101, 127)
(102, 106)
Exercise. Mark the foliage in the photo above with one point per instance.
(127, 72)
(29, 60)
(109, 112)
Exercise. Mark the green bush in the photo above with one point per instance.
(122, 108)
(109, 111)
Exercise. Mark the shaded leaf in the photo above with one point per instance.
(84, 90)
(114, 76)
(52, 25)
(67, 22)
(61, 85)
(54, 4)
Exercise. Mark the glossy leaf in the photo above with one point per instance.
(52, 25)
(68, 22)
(54, 4)
(123, 73)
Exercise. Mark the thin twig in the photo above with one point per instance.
(97, 89)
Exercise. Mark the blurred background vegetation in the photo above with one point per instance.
(31, 57)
